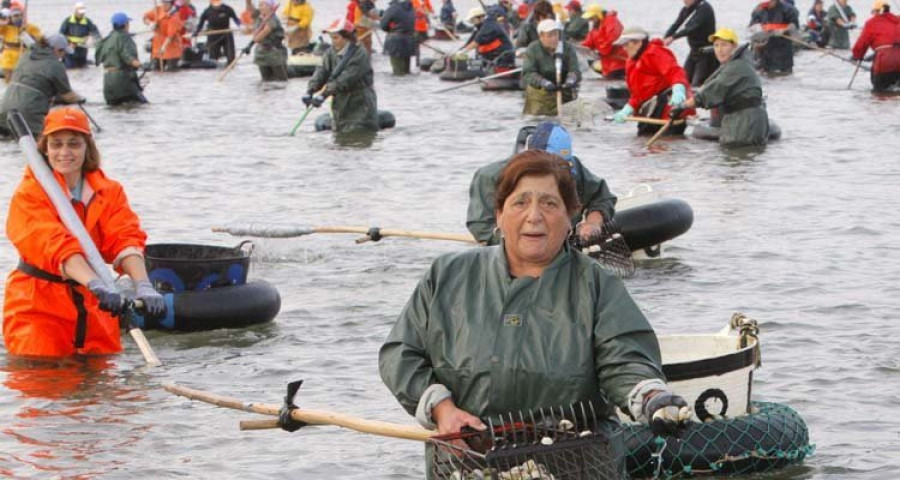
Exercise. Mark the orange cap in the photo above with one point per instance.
(66, 118)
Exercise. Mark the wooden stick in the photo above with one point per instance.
(305, 114)
(205, 33)
(279, 231)
(858, 65)
(659, 133)
(479, 80)
(435, 49)
(817, 48)
(652, 121)
(312, 417)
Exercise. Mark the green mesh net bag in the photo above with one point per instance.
(773, 436)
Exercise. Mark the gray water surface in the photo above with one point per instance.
(802, 236)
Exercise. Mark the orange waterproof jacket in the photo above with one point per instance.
(43, 317)
(167, 27)
(423, 10)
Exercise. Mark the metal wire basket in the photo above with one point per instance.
(564, 443)
(611, 252)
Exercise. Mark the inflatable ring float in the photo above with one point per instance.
(499, 84)
(386, 119)
(703, 131)
(771, 436)
(236, 306)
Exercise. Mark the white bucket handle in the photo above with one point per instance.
(646, 188)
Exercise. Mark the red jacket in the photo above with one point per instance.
(40, 316)
(881, 30)
(601, 39)
(655, 70)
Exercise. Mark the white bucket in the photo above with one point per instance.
(714, 373)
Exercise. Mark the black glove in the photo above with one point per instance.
(248, 48)
(154, 304)
(110, 300)
(571, 82)
(548, 85)
(676, 112)
(667, 413)
(318, 100)
(307, 99)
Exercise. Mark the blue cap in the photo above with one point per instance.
(119, 19)
(553, 138)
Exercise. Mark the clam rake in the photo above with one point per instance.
(559, 443)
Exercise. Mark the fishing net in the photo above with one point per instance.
(610, 251)
(773, 436)
(561, 443)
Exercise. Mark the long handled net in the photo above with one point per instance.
(546, 443)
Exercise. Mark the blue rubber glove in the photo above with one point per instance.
(626, 111)
(318, 100)
(154, 304)
(110, 300)
(547, 85)
(679, 95)
(307, 99)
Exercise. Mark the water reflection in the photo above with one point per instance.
(70, 417)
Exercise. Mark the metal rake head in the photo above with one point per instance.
(610, 251)
(544, 443)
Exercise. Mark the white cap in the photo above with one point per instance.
(80, 8)
(475, 12)
(631, 33)
(548, 25)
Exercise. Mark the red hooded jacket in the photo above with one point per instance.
(655, 70)
(601, 39)
(880, 33)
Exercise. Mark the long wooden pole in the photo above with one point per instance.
(855, 71)
(480, 80)
(312, 417)
(276, 231)
(820, 49)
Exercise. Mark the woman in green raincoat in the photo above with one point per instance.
(345, 74)
(529, 323)
(735, 88)
(271, 54)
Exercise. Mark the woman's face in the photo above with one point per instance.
(534, 221)
(66, 150)
(549, 40)
(337, 41)
(631, 47)
(723, 50)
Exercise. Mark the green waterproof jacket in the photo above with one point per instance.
(120, 81)
(354, 107)
(526, 34)
(39, 76)
(501, 344)
(540, 64)
(577, 29)
(270, 51)
(737, 91)
(840, 36)
(480, 220)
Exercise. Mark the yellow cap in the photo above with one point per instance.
(879, 5)
(592, 11)
(726, 34)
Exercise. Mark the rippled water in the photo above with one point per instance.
(801, 236)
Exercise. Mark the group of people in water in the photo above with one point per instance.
(472, 341)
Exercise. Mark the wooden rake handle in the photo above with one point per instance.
(311, 417)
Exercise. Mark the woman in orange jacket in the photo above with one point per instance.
(55, 304)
